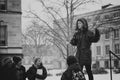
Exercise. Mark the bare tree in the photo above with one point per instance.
(63, 28)
(34, 37)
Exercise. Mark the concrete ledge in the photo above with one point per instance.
(10, 12)
(6, 47)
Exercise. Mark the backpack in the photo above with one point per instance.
(78, 75)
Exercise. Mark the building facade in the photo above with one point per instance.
(10, 28)
(108, 22)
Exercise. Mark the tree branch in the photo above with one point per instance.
(60, 48)
(53, 17)
(44, 22)
(82, 2)
(57, 39)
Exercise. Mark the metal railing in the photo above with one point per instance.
(111, 53)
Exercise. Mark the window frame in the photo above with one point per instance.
(107, 35)
(117, 48)
(107, 48)
(3, 3)
(116, 33)
(98, 50)
(5, 36)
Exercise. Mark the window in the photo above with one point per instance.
(106, 64)
(107, 48)
(116, 63)
(3, 36)
(107, 17)
(117, 50)
(107, 35)
(88, 18)
(116, 14)
(98, 50)
(3, 5)
(97, 18)
(116, 33)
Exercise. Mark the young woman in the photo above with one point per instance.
(37, 71)
(83, 38)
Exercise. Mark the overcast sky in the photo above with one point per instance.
(35, 5)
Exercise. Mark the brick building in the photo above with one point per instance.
(10, 28)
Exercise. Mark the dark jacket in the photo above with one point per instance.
(21, 73)
(32, 73)
(8, 73)
(67, 75)
(83, 41)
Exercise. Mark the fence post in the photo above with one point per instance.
(110, 65)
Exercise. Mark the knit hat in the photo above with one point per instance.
(16, 59)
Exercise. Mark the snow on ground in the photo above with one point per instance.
(96, 76)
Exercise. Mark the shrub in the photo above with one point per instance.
(99, 71)
(49, 74)
(116, 71)
(59, 74)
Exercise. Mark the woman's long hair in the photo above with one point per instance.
(85, 24)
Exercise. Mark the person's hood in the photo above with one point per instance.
(74, 66)
(84, 21)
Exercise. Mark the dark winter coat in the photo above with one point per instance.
(32, 73)
(67, 75)
(83, 41)
(8, 73)
(21, 73)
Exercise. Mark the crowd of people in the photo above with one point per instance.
(12, 68)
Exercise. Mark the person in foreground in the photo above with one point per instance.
(83, 38)
(73, 72)
(20, 69)
(7, 72)
(37, 71)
